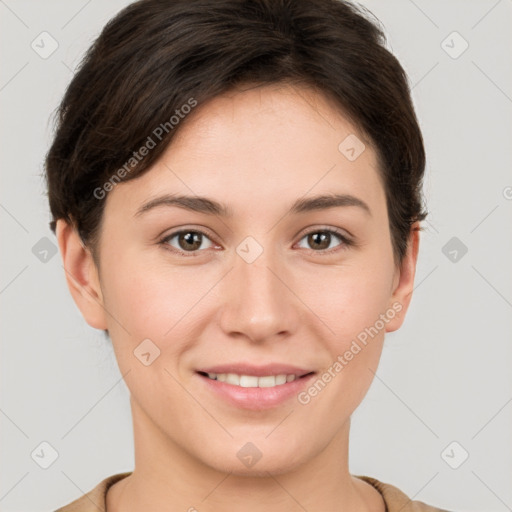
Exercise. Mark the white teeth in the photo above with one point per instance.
(267, 382)
(281, 379)
(248, 381)
(233, 378)
(251, 381)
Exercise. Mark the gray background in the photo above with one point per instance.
(445, 376)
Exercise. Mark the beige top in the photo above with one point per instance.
(395, 500)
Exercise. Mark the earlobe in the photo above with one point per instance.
(81, 275)
(404, 281)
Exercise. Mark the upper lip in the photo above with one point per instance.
(257, 371)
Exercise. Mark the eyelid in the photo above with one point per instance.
(338, 231)
(195, 228)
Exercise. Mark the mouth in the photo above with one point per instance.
(270, 388)
(254, 381)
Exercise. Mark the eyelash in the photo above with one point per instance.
(346, 242)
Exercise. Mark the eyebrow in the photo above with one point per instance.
(209, 206)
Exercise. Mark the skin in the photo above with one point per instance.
(255, 150)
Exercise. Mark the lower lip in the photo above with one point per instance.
(257, 399)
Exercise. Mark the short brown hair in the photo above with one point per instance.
(155, 55)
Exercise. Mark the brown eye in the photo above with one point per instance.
(320, 240)
(188, 240)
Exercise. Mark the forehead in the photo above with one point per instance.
(284, 106)
(261, 145)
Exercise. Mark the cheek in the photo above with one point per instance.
(353, 298)
(154, 302)
(355, 307)
(145, 296)
(354, 303)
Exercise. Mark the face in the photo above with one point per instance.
(259, 289)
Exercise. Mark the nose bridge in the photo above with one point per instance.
(259, 304)
(260, 283)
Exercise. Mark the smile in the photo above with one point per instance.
(252, 381)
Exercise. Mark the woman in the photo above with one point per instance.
(236, 192)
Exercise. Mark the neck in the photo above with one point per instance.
(167, 477)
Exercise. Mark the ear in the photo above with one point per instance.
(82, 276)
(403, 281)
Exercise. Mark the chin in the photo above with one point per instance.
(261, 469)
(253, 459)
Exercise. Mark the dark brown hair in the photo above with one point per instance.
(157, 56)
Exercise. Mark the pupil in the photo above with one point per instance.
(189, 239)
(322, 237)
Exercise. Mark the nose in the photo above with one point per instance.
(259, 301)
